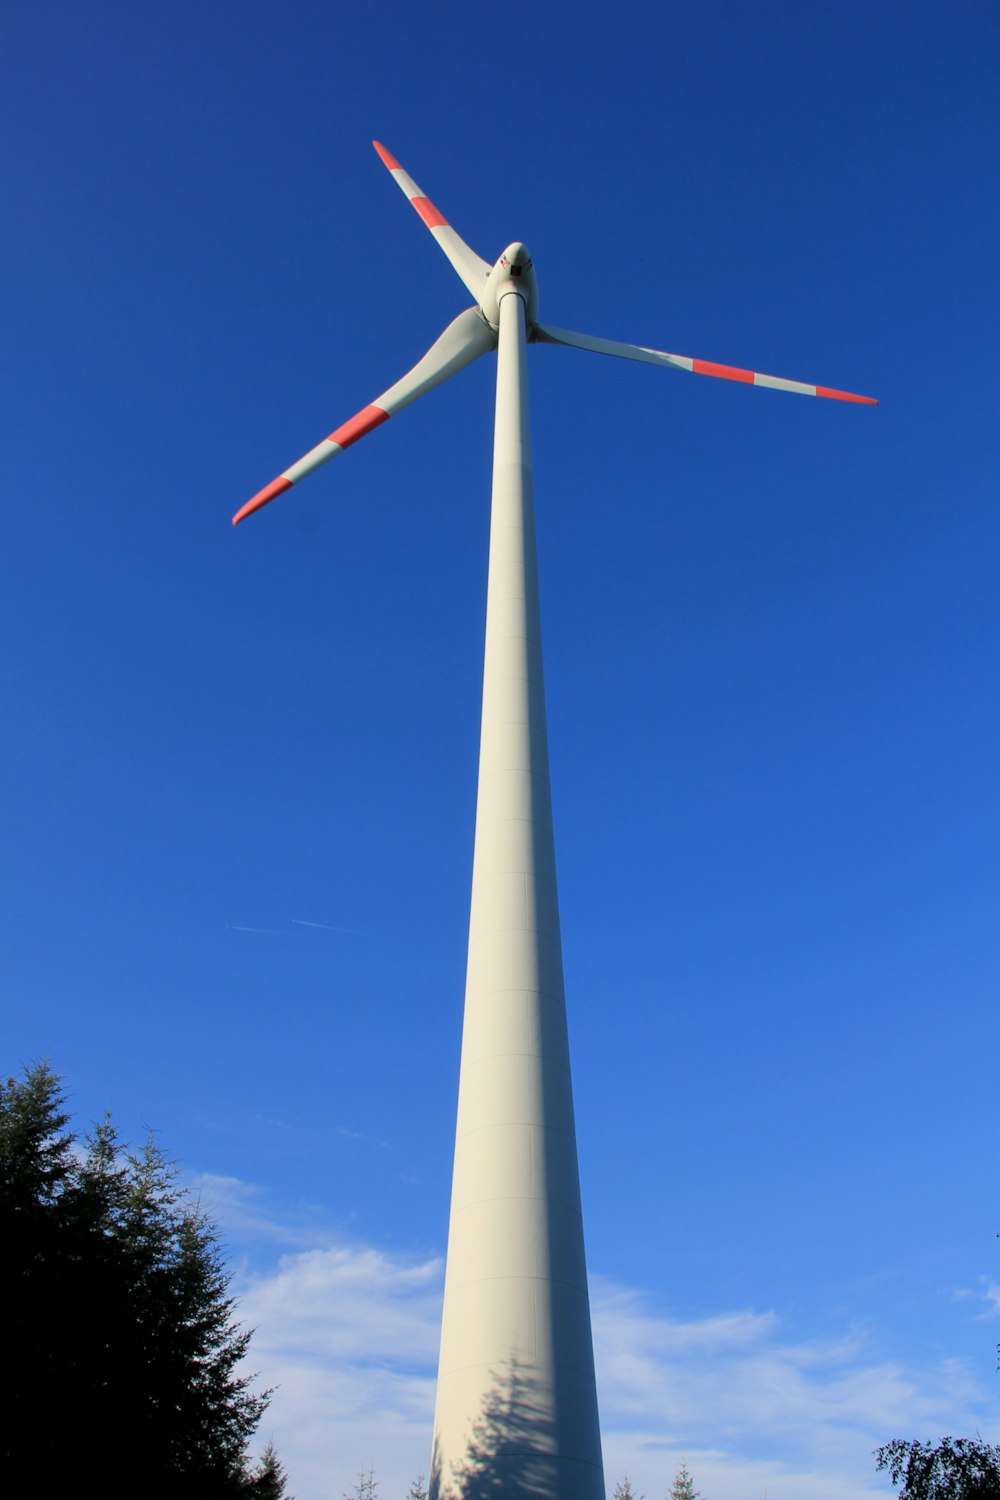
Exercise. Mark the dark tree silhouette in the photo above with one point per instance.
(120, 1343)
(513, 1448)
(953, 1469)
(267, 1480)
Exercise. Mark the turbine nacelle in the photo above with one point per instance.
(476, 332)
(513, 272)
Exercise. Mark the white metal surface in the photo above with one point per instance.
(465, 339)
(513, 266)
(469, 266)
(516, 1412)
(542, 333)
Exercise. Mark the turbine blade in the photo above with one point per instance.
(470, 267)
(463, 340)
(546, 335)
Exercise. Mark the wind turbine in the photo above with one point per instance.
(516, 1410)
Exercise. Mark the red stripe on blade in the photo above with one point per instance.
(276, 487)
(430, 215)
(725, 372)
(825, 390)
(369, 417)
(387, 157)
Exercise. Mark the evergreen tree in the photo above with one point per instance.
(366, 1487)
(117, 1322)
(417, 1490)
(267, 1481)
(684, 1486)
(623, 1490)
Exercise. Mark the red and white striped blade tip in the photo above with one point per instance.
(269, 492)
(752, 377)
(419, 202)
(387, 157)
(822, 390)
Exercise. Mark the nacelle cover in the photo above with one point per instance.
(513, 272)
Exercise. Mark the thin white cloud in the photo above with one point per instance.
(988, 1292)
(349, 1334)
(991, 1296)
(240, 1210)
(749, 1408)
(361, 1135)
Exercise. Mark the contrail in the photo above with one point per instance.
(324, 926)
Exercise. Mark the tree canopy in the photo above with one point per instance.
(121, 1348)
(953, 1469)
(683, 1486)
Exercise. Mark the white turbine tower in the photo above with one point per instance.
(516, 1412)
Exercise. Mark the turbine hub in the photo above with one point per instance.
(515, 273)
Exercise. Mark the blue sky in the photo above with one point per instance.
(240, 766)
